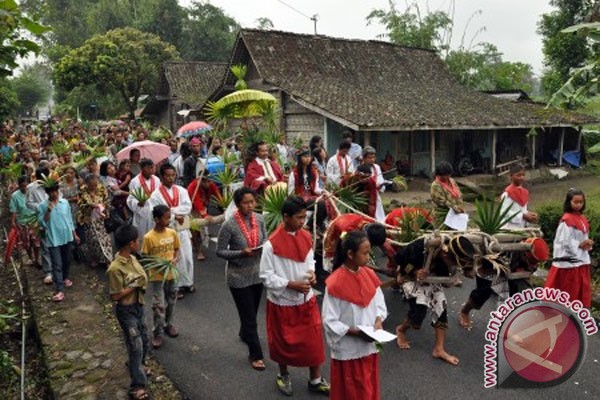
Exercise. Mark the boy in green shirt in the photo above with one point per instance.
(127, 282)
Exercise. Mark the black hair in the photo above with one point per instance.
(316, 153)
(313, 142)
(376, 233)
(365, 169)
(239, 194)
(50, 189)
(443, 168)
(134, 151)
(184, 150)
(351, 242)
(40, 173)
(347, 134)
(570, 194)
(23, 179)
(516, 168)
(146, 162)
(104, 167)
(159, 210)
(254, 148)
(293, 205)
(124, 235)
(310, 173)
(344, 145)
(216, 149)
(164, 168)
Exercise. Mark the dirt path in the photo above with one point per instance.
(556, 190)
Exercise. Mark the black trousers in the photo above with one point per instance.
(483, 290)
(247, 300)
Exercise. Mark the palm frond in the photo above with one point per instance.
(349, 196)
(490, 217)
(155, 265)
(271, 203)
(60, 148)
(139, 194)
(222, 200)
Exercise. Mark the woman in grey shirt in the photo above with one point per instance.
(239, 242)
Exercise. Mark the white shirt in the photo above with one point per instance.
(339, 316)
(276, 272)
(142, 216)
(267, 169)
(517, 221)
(355, 154)
(566, 244)
(334, 174)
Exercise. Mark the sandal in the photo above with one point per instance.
(58, 297)
(258, 365)
(139, 394)
(191, 289)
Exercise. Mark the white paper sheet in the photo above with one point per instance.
(456, 221)
(380, 335)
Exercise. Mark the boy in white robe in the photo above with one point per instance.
(142, 211)
(340, 165)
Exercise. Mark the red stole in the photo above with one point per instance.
(343, 168)
(171, 202)
(451, 188)
(354, 287)
(518, 194)
(299, 188)
(294, 247)
(147, 189)
(576, 220)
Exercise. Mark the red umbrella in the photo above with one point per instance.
(156, 152)
(193, 128)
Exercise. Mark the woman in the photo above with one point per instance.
(239, 242)
(320, 162)
(445, 193)
(91, 213)
(303, 181)
(69, 188)
(116, 188)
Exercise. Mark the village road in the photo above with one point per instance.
(208, 361)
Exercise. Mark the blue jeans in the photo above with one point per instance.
(46, 259)
(132, 321)
(164, 297)
(61, 264)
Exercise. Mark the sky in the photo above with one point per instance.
(509, 24)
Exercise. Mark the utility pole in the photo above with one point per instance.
(314, 19)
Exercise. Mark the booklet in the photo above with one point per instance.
(380, 335)
(456, 221)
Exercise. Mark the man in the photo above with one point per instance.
(23, 219)
(36, 195)
(369, 156)
(201, 192)
(118, 145)
(177, 199)
(262, 172)
(142, 210)
(355, 152)
(134, 161)
(340, 165)
(174, 145)
(294, 328)
(194, 163)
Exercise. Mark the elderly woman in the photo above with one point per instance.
(116, 188)
(445, 193)
(91, 213)
(239, 242)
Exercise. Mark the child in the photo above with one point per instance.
(20, 218)
(353, 298)
(162, 242)
(54, 216)
(127, 282)
(294, 329)
(516, 197)
(572, 241)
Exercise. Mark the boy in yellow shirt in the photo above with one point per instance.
(127, 283)
(164, 243)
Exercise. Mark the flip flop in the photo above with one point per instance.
(258, 365)
(139, 394)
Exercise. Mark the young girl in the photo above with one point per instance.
(572, 241)
(352, 298)
(303, 180)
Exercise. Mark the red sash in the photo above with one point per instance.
(171, 202)
(251, 236)
(147, 189)
(344, 168)
(451, 188)
(294, 247)
(576, 220)
(518, 194)
(354, 287)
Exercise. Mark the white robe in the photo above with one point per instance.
(339, 316)
(515, 208)
(566, 244)
(185, 263)
(334, 174)
(379, 212)
(276, 272)
(142, 216)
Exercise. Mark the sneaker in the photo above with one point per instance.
(48, 279)
(321, 387)
(157, 341)
(58, 297)
(171, 331)
(284, 384)
(68, 283)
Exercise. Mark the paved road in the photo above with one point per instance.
(207, 361)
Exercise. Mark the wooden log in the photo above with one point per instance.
(518, 275)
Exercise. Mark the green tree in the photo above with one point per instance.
(562, 52)
(164, 18)
(124, 61)
(16, 30)
(9, 102)
(208, 33)
(264, 23)
(32, 87)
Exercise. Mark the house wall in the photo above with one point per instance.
(299, 122)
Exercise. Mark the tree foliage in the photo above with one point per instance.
(9, 101)
(16, 32)
(32, 87)
(124, 61)
(562, 52)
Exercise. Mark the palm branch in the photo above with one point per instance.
(222, 200)
(160, 133)
(60, 148)
(13, 171)
(239, 71)
(155, 265)
(349, 196)
(490, 218)
(139, 194)
(227, 176)
(410, 226)
(271, 203)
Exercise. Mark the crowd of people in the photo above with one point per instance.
(67, 204)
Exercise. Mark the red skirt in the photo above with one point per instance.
(355, 379)
(295, 334)
(575, 281)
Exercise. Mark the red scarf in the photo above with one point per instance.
(354, 287)
(518, 194)
(344, 168)
(451, 188)
(171, 202)
(294, 247)
(576, 220)
(252, 236)
(299, 188)
(147, 189)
